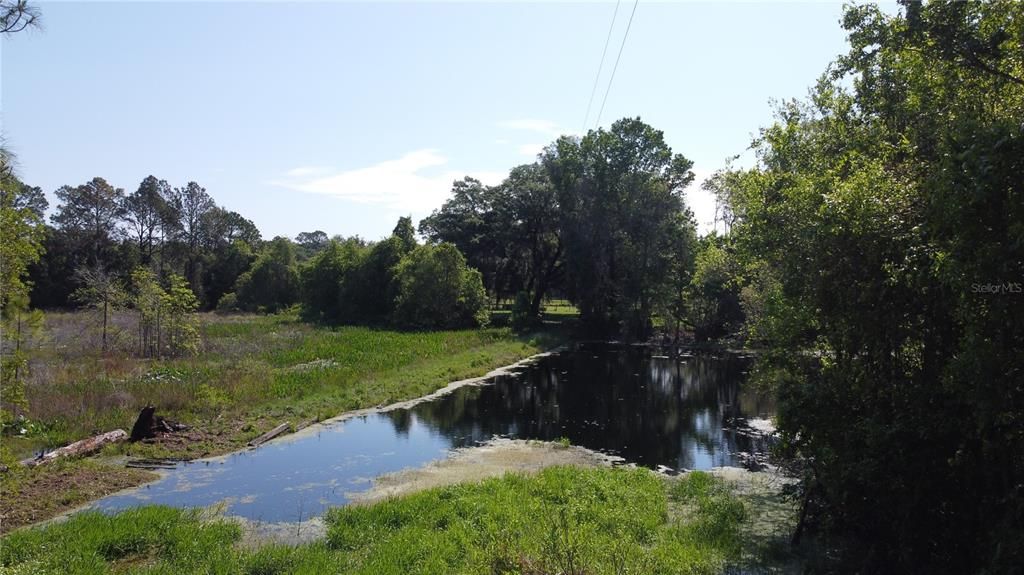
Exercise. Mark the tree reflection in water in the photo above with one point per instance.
(650, 410)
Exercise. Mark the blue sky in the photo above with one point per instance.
(345, 116)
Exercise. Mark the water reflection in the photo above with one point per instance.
(651, 410)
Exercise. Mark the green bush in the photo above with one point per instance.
(273, 282)
(437, 290)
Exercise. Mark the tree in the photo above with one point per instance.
(226, 252)
(273, 282)
(101, 291)
(310, 244)
(620, 198)
(406, 233)
(21, 245)
(528, 205)
(368, 291)
(437, 290)
(144, 211)
(21, 237)
(714, 291)
(31, 198)
(178, 306)
(320, 281)
(469, 221)
(147, 297)
(16, 15)
(191, 204)
(350, 282)
(89, 216)
(885, 223)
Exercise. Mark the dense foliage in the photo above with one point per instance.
(168, 230)
(883, 232)
(510, 232)
(625, 225)
(21, 245)
(394, 281)
(600, 219)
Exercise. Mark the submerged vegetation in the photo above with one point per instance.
(562, 520)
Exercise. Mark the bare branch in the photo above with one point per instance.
(16, 15)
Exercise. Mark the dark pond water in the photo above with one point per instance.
(627, 401)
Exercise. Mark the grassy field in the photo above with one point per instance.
(561, 520)
(252, 373)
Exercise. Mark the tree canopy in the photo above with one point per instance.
(883, 237)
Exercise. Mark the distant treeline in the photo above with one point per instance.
(599, 219)
(157, 226)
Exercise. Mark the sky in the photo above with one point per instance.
(342, 117)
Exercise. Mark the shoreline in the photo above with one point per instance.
(301, 433)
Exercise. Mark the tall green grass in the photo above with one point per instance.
(252, 373)
(562, 520)
(250, 367)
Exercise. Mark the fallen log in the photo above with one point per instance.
(80, 448)
(270, 434)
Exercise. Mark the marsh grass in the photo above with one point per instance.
(250, 369)
(252, 373)
(562, 520)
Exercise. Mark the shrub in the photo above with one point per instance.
(437, 290)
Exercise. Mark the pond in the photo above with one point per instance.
(629, 401)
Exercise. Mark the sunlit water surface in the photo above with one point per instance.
(628, 401)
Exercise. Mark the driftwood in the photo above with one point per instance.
(79, 448)
(149, 424)
(152, 464)
(270, 435)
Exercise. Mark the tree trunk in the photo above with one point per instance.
(104, 325)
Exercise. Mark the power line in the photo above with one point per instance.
(600, 67)
(616, 66)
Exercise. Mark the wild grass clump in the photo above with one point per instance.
(563, 520)
(716, 515)
(150, 539)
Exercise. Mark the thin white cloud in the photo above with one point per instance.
(406, 183)
(304, 171)
(531, 149)
(545, 127)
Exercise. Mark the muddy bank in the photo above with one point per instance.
(493, 459)
(467, 465)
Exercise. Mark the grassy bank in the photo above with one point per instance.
(562, 520)
(252, 373)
